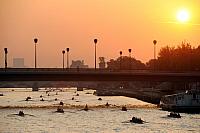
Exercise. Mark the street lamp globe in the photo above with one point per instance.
(95, 41)
(154, 42)
(35, 40)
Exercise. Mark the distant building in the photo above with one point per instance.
(18, 62)
(78, 64)
(102, 63)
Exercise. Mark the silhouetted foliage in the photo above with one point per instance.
(181, 58)
(125, 63)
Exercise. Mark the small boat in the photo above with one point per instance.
(60, 110)
(61, 103)
(79, 89)
(86, 108)
(21, 113)
(174, 115)
(124, 108)
(42, 99)
(28, 98)
(99, 99)
(107, 104)
(188, 102)
(137, 120)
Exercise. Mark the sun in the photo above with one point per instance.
(183, 16)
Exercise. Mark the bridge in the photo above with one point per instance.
(59, 74)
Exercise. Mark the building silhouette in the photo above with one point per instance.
(78, 64)
(102, 63)
(18, 63)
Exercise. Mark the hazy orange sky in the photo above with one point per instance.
(118, 25)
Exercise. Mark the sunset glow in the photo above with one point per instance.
(183, 16)
(99, 66)
(118, 25)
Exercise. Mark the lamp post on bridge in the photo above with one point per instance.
(95, 42)
(6, 52)
(63, 52)
(67, 49)
(129, 50)
(35, 41)
(154, 42)
(120, 65)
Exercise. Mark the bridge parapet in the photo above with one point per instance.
(59, 74)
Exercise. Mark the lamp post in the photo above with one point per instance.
(154, 42)
(35, 41)
(63, 52)
(95, 42)
(6, 52)
(67, 49)
(120, 60)
(129, 50)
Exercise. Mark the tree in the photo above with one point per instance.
(125, 63)
(184, 57)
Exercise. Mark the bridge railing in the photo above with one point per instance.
(88, 70)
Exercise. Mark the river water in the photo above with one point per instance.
(40, 116)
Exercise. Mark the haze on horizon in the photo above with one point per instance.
(118, 25)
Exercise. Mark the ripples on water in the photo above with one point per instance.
(40, 116)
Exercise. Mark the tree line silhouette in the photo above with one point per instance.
(125, 63)
(184, 57)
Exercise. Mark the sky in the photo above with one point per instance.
(117, 24)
